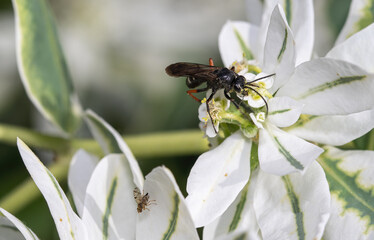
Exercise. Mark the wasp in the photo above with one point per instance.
(216, 78)
(142, 200)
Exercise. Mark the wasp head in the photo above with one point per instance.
(239, 84)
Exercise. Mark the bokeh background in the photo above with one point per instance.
(117, 51)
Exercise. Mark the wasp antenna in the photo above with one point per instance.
(263, 99)
(211, 62)
(258, 79)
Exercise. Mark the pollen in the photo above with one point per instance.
(203, 101)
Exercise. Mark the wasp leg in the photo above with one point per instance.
(208, 110)
(238, 105)
(189, 92)
(211, 62)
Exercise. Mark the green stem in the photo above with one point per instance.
(370, 145)
(176, 143)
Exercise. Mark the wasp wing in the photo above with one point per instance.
(195, 70)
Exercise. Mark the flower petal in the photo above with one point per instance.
(333, 130)
(360, 16)
(284, 111)
(294, 206)
(68, 224)
(109, 205)
(351, 178)
(217, 177)
(358, 49)
(281, 153)
(238, 218)
(279, 53)
(300, 18)
(7, 231)
(168, 217)
(237, 40)
(330, 87)
(81, 167)
(112, 142)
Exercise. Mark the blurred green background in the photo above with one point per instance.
(117, 51)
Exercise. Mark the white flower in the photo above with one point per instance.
(319, 90)
(103, 195)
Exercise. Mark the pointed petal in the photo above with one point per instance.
(284, 111)
(351, 178)
(358, 49)
(168, 217)
(300, 18)
(68, 224)
(81, 167)
(360, 16)
(109, 205)
(217, 177)
(333, 130)
(7, 231)
(112, 142)
(281, 153)
(237, 41)
(279, 54)
(238, 218)
(294, 206)
(330, 87)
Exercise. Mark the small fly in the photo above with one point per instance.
(142, 200)
(216, 78)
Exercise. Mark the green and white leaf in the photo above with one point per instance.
(295, 206)
(168, 216)
(11, 228)
(361, 15)
(81, 168)
(109, 205)
(333, 129)
(68, 224)
(330, 87)
(217, 178)
(42, 65)
(112, 142)
(238, 219)
(351, 178)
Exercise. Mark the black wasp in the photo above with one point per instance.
(216, 78)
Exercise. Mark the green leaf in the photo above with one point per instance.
(349, 174)
(42, 66)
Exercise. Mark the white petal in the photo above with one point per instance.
(284, 111)
(207, 122)
(334, 130)
(235, 40)
(112, 142)
(68, 224)
(238, 218)
(81, 167)
(330, 87)
(294, 206)
(217, 177)
(360, 12)
(351, 179)
(281, 153)
(109, 205)
(279, 55)
(168, 217)
(8, 233)
(358, 49)
(300, 18)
